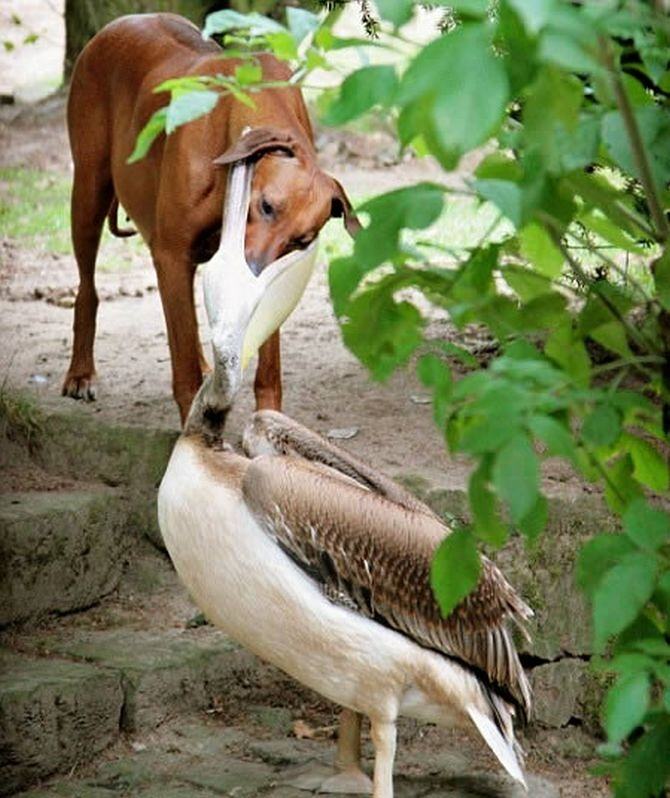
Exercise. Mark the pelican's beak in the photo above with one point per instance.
(245, 309)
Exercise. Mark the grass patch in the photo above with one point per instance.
(34, 206)
(20, 418)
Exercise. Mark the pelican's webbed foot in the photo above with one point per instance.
(351, 781)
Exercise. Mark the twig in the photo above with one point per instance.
(581, 275)
(637, 145)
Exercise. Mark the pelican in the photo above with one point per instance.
(320, 565)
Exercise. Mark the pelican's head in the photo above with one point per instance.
(243, 307)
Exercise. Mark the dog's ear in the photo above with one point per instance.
(256, 142)
(342, 207)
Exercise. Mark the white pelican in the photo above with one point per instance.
(319, 565)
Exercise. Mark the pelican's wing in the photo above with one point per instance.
(377, 555)
(270, 431)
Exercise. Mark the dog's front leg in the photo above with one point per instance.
(267, 385)
(175, 283)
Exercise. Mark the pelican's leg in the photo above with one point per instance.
(348, 777)
(384, 739)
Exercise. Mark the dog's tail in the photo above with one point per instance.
(112, 221)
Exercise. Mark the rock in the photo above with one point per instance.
(130, 458)
(566, 690)
(163, 673)
(53, 715)
(59, 551)
(342, 433)
(486, 784)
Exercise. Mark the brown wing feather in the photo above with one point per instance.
(284, 435)
(378, 554)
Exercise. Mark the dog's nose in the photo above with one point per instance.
(256, 265)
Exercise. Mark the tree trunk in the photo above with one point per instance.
(84, 18)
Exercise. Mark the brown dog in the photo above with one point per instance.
(175, 194)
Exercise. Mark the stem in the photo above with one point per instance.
(636, 362)
(597, 251)
(637, 146)
(584, 278)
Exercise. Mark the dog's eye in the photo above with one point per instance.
(267, 209)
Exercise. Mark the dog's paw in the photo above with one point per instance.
(80, 387)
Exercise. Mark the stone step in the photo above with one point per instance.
(59, 551)
(163, 673)
(59, 710)
(54, 714)
(198, 757)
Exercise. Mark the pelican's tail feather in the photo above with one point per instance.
(503, 748)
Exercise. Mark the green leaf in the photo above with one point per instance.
(301, 22)
(602, 427)
(565, 348)
(620, 486)
(455, 569)
(551, 115)
(646, 769)
(538, 247)
(188, 107)
(626, 705)
(566, 51)
(415, 207)
(534, 13)
(229, 20)
(598, 556)
(466, 357)
(149, 133)
(362, 90)
(516, 476)
(344, 275)
(661, 272)
(486, 519)
(283, 45)
(613, 337)
(555, 435)
(506, 195)
(654, 127)
(525, 282)
(604, 227)
(545, 311)
(463, 113)
(436, 374)
(248, 73)
(649, 466)
(397, 12)
(534, 522)
(621, 594)
(381, 332)
(646, 526)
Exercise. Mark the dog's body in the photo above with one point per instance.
(174, 196)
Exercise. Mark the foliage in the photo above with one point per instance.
(570, 101)
(573, 102)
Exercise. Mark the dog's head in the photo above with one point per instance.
(291, 198)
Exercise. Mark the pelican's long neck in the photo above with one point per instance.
(226, 277)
